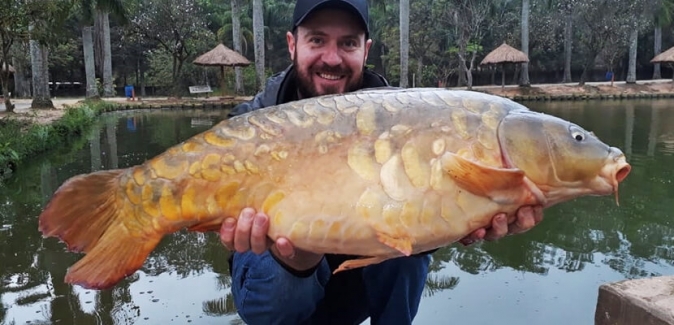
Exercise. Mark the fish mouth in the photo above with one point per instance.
(617, 170)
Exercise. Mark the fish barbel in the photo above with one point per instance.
(377, 173)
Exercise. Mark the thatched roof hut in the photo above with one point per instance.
(502, 55)
(664, 57)
(222, 56)
(505, 54)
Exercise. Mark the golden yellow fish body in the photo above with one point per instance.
(334, 174)
(377, 173)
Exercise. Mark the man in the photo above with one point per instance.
(272, 283)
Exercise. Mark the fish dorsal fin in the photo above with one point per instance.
(504, 186)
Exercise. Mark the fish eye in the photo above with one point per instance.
(577, 134)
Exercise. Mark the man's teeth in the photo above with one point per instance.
(329, 76)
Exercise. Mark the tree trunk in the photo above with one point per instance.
(99, 52)
(40, 75)
(108, 90)
(236, 43)
(524, 74)
(258, 44)
(141, 72)
(657, 48)
(589, 63)
(469, 78)
(89, 66)
(568, 47)
(461, 76)
(404, 41)
(4, 84)
(21, 82)
(420, 72)
(632, 67)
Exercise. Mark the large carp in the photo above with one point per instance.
(378, 173)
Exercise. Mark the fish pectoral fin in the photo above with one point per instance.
(504, 186)
(402, 243)
(361, 262)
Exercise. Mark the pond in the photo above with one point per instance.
(549, 275)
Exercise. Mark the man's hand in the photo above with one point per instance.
(249, 233)
(527, 218)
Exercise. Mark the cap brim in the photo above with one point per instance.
(337, 5)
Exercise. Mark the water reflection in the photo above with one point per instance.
(580, 244)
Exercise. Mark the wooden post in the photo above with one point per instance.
(222, 81)
(502, 76)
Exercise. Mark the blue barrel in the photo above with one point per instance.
(128, 91)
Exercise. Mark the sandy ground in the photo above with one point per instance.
(23, 109)
(646, 87)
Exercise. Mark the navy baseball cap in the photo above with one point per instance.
(303, 8)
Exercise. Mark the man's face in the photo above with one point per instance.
(329, 52)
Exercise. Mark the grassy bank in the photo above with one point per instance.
(21, 138)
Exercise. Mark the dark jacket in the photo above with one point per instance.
(281, 88)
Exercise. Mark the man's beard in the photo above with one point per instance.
(307, 88)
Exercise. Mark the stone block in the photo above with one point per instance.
(647, 301)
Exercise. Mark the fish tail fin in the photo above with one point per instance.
(85, 214)
(117, 255)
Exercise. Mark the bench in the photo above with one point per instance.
(200, 89)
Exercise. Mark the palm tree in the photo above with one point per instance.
(236, 41)
(87, 16)
(404, 41)
(258, 44)
(39, 54)
(103, 10)
(643, 11)
(663, 17)
(524, 74)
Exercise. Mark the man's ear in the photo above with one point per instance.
(290, 38)
(368, 44)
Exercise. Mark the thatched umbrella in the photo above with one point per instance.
(222, 56)
(665, 57)
(502, 55)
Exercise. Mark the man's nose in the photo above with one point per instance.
(331, 55)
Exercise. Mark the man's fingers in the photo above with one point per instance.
(473, 237)
(258, 235)
(526, 220)
(243, 230)
(499, 227)
(285, 248)
(227, 233)
(538, 214)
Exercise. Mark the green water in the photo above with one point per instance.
(549, 275)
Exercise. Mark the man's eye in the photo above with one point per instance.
(315, 40)
(350, 43)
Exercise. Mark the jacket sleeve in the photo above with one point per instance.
(248, 106)
(266, 293)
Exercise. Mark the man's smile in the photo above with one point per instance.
(330, 76)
